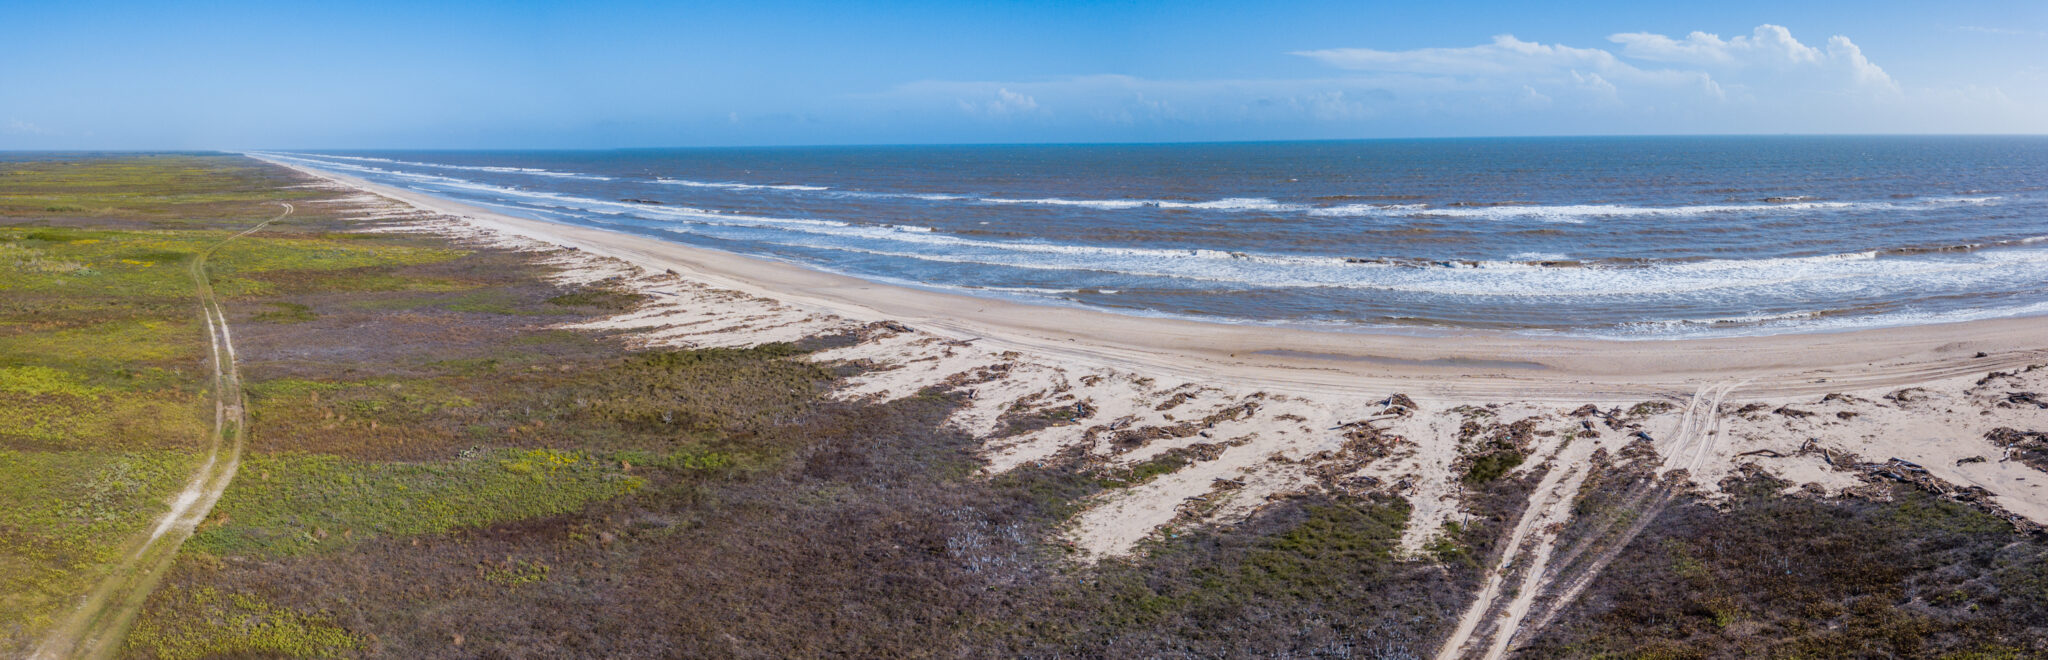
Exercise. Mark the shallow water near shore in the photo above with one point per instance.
(1608, 237)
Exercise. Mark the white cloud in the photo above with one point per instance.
(1769, 43)
(1766, 81)
(1770, 48)
(19, 127)
(1505, 56)
(1004, 104)
(1513, 65)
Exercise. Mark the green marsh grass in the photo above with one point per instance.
(67, 514)
(290, 504)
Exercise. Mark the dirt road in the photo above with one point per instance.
(96, 628)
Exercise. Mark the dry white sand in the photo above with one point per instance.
(1260, 413)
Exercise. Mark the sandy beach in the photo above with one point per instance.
(1255, 414)
(1462, 364)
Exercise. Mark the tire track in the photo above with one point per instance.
(1533, 543)
(1696, 433)
(95, 630)
(1534, 534)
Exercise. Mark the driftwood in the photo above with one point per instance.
(1812, 445)
(1761, 452)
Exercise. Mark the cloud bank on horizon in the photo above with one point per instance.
(1640, 82)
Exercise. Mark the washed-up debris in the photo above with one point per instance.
(1908, 395)
(1792, 412)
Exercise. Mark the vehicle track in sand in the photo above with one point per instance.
(96, 628)
(1694, 441)
(1531, 545)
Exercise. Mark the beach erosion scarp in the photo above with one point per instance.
(1205, 424)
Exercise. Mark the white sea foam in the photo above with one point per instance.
(1484, 278)
(1551, 213)
(1343, 210)
(1769, 324)
(1246, 204)
(1578, 213)
(1785, 282)
(738, 186)
(472, 168)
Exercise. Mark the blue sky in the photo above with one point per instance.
(568, 75)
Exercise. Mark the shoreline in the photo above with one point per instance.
(1458, 364)
(1243, 417)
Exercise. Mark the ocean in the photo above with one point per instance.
(1623, 237)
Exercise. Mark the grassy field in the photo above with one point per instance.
(102, 384)
(436, 470)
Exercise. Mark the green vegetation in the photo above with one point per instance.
(1489, 467)
(437, 469)
(1315, 578)
(1451, 547)
(514, 573)
(167, 187)
(103, 396)
(1144, 471)
(291, 504)
(67, 514)
(51, 408)
(210, 623)
(605, 299)
(1778, 576)
(285, 312)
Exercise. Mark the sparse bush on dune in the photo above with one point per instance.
(1782, 576)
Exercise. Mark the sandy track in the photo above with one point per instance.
(96, 629)
(1488, 628)
(1692, 444)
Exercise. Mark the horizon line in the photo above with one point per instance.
(1049, 143)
